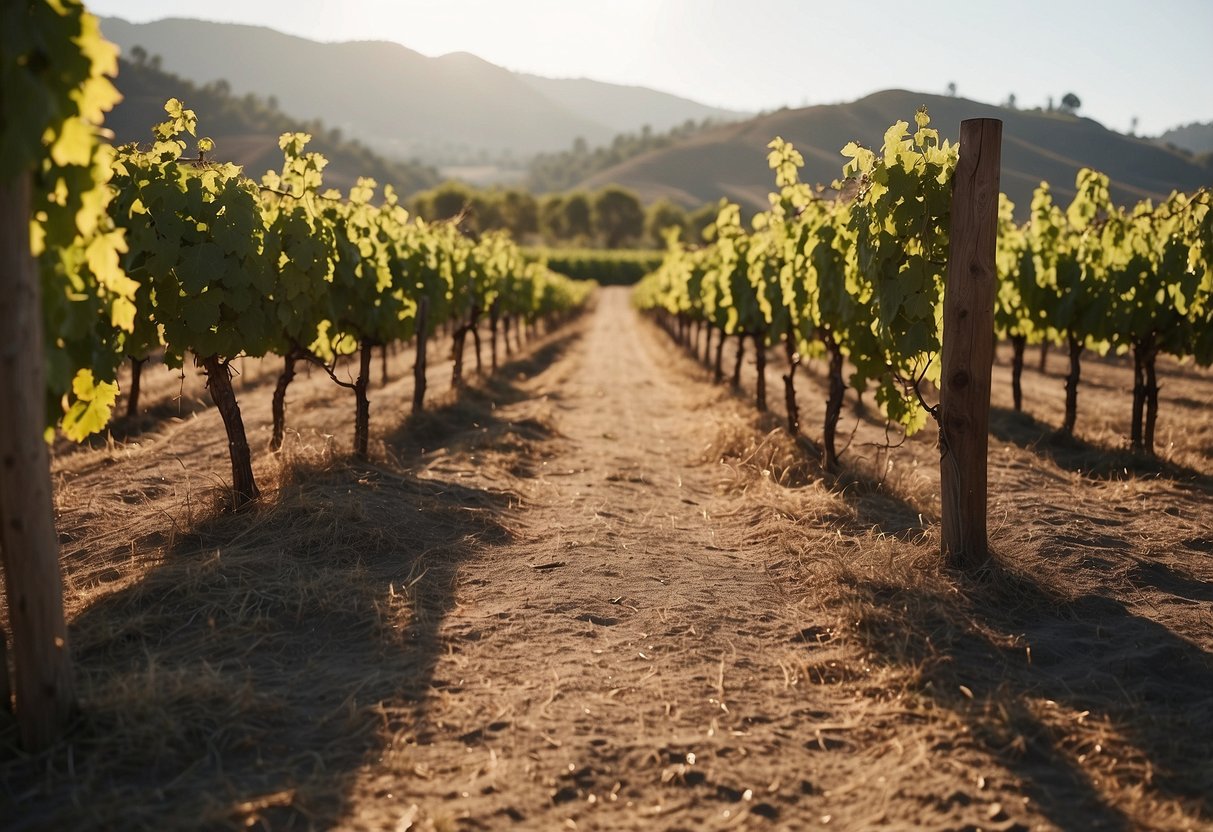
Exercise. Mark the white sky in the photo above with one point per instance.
(1123, 59)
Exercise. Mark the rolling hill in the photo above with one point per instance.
(1197, 138)
(730, 160)
(246, 130)
(452, 108)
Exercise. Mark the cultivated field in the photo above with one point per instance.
(597, 592)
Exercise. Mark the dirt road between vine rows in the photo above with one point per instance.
(595, 591)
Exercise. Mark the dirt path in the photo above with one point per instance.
(625, 662)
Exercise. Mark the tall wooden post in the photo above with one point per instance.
(968, 343)
(29, 548)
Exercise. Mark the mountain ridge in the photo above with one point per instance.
(438, 106)
(730, 160)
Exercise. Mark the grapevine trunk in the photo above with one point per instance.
(1071, 418)
(219, 385)
(789, 382)
(833, 403)
(494, 319)
(457, 353)
(1018, 343)
(740, 355)
(278, 405)
(362, 416)
(1151, 400)
(760, 359)
(132, 399)
(473, 324)
(423, 309)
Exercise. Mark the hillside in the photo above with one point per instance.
(246, 130)
(629, 108)
(1196, 137)
(731, 160)
(450, 109)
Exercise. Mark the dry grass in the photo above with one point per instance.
(1064, 685)
(232, 670)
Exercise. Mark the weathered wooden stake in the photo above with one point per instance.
(29, 547)
(968, 343)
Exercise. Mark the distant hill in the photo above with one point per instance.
(452, 109)
(730, 160)
(246, 130)
(1194, 137)
(549, 172)
(627, 109)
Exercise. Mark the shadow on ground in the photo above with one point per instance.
(1093, 461)
(244, 680)
(1033, 659)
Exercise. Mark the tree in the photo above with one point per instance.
(951, 89)
(518, 212)
(138, 55)
(661, 215)
(551, 217)
(618, 216)
(1070, 103)
(578, 216)
(1010, 103)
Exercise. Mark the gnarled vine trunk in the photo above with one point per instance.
(741, 336)
(1072, 379)
(789, 381)
(494, 319)
(278, 404)
(219, 385)
(829, 431)
(423, 310)
(457, 354)
(760, 359)
(1151, 398)
(132, 398)
(1018, 342)
(362, 415)
(474, 326)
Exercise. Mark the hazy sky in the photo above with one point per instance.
(1123, 59)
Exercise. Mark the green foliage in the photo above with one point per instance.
(55, 72)
(866, 275)
(607, 267)
(618, 216)
(196, 236)
(660, 217)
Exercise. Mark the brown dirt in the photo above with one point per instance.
(595, 592)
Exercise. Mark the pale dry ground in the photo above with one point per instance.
(596, 592)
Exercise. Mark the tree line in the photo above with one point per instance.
(612, 217)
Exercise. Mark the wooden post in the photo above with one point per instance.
(29, 547)
(968, 343)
